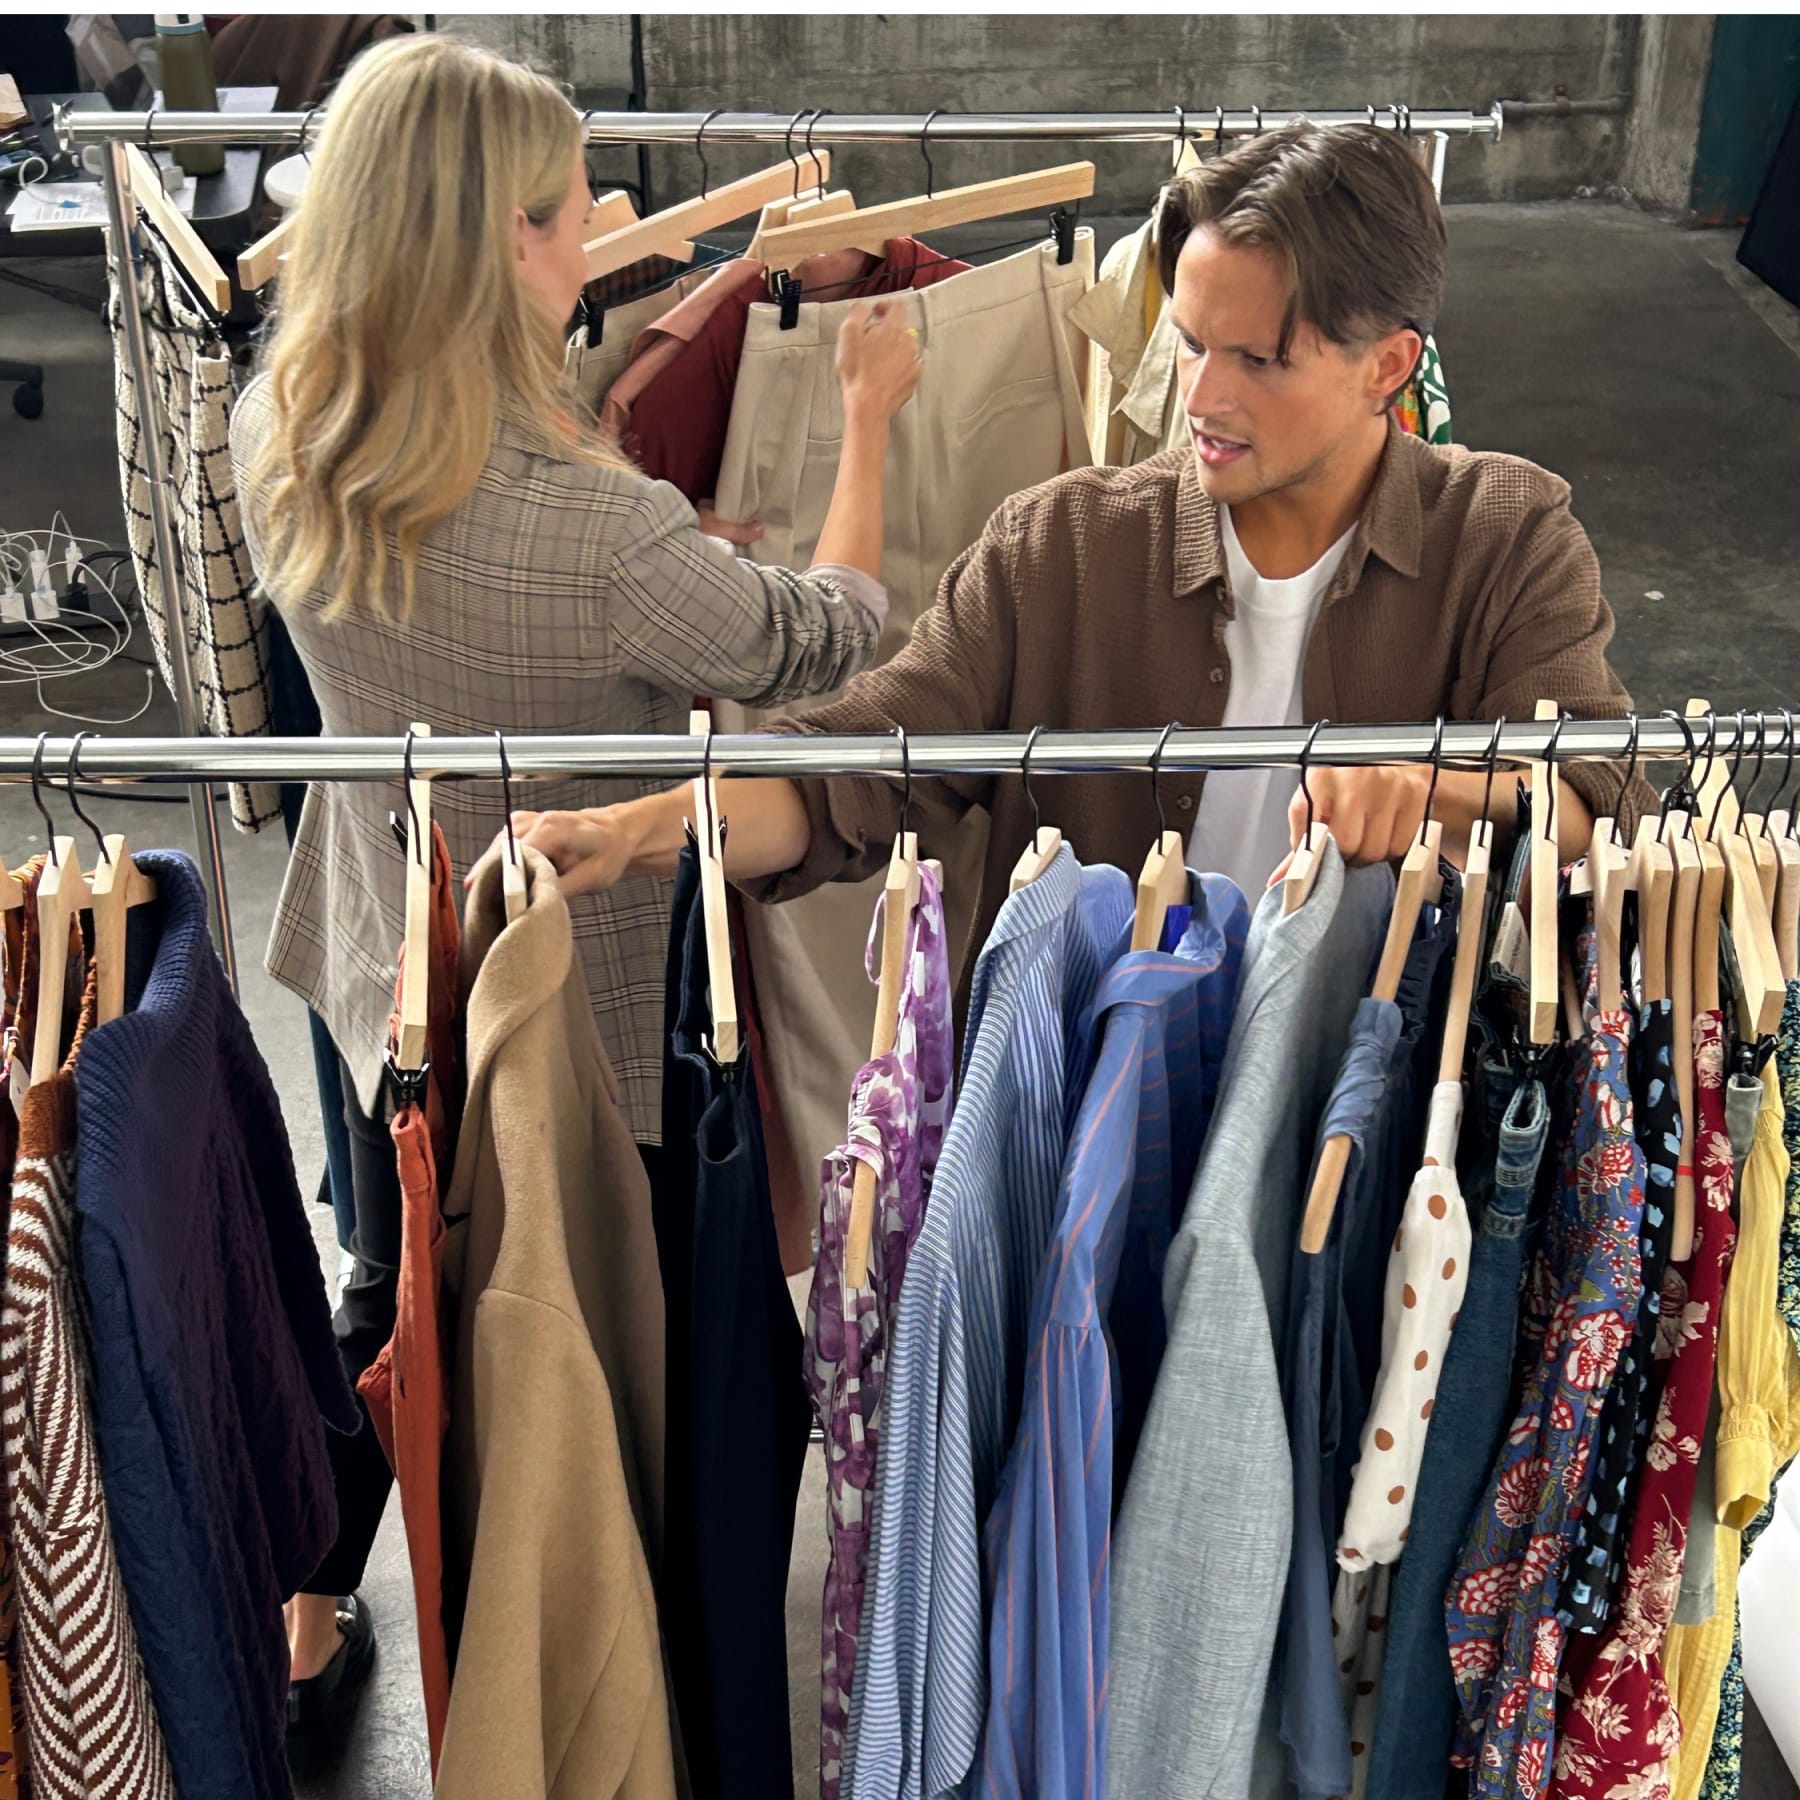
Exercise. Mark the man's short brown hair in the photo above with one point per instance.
(1348, 208)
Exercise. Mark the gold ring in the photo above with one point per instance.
(912, 331)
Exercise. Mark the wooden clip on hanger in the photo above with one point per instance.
(115, 886)
(415, 968)
(1046, 841)
(1304, 865)
(1420, 884)
(175, 229)
(899, 900)
(1163, 881)
(709, 831)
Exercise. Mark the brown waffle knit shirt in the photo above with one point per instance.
(1098, 601)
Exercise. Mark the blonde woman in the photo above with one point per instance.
(448, 540)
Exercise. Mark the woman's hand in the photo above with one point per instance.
(877, 361)
(741, 533)
(590, 851)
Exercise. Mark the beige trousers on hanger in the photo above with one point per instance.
(593, 369)
(998, 409)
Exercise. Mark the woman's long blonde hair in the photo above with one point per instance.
(404, 332)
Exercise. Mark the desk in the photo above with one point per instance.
(223, 203)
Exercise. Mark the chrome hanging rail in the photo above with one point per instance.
(675, 758)
(157, 127)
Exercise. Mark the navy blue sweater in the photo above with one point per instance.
(214, 1366)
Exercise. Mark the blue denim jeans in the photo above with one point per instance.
(1410, 1756)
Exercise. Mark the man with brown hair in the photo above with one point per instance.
(1302, 560)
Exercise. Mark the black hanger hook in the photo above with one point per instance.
(1562, 718)
(1256, 114)
(1682, 784)
(69, 778)
(417, 835)
(1156, 757)
(1730, 787)
(1631, 764)
(506, 797)
(1756, 774)
(1312, 737)
(1493, 759)
(925, 151)
(1037, 818)
(150, 119)
(1788, 715)
(812, 155)
(787, 143)
(1180, 130)
(305, 128)
(905, 779)
(1437, 768)
(37, 796)
(700, 151)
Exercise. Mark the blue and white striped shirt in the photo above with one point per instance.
(957, 1372)
(1163, 1021)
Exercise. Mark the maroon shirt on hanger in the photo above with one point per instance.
(680, 420)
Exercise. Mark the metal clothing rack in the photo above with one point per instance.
(1168, 124)
(674, 758)
(115, 130)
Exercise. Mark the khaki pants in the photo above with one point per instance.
(998, 409)
(593, 369)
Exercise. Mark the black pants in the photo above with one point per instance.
(738, 1414)
(364, 1321)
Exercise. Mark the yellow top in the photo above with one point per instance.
(1759, 1431)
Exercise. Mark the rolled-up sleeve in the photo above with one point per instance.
(954, 675)
(687, 612)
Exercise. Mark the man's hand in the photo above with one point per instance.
(1373, 813)
(590, 851)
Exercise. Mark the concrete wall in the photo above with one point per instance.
(1668, 94)
(1012, 62)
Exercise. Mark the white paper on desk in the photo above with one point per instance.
(75, 205)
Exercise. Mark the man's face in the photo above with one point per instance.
(1259, 425)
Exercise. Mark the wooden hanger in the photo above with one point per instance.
(1676, 831)
(1046, 841)
(115, 886)
(59, 897)
(868, 228)
(12, 892)
(899, 900)
(256, 266)
(1651, 876)
(670, 231)
(175, 229)
(1608, 865)
(1163, 880)
(1420, 884)
(1763, 991)
(415, 968)
(1544, 861)
(1304, 865)
(1471, 925)
(1780, 824)
(709, 831)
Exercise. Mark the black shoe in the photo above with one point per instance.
(320, 1702)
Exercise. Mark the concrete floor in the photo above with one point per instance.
(1634, 358)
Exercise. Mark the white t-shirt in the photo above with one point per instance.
(1242, 830)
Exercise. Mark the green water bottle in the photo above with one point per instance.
(185, 53)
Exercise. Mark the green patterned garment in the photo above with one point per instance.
(1724, 1764)
(1423, 408)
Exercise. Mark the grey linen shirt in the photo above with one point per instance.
(556, 598)
(1200, 1554)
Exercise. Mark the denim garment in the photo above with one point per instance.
(1410, 1757)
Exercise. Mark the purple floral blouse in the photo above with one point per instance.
(899, 1109)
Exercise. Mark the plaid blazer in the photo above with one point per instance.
(556, 598)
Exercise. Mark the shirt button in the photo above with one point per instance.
(1216, 677)
(1185, 803)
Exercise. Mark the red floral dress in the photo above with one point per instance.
(1618, 1730)
(1505, 1639)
